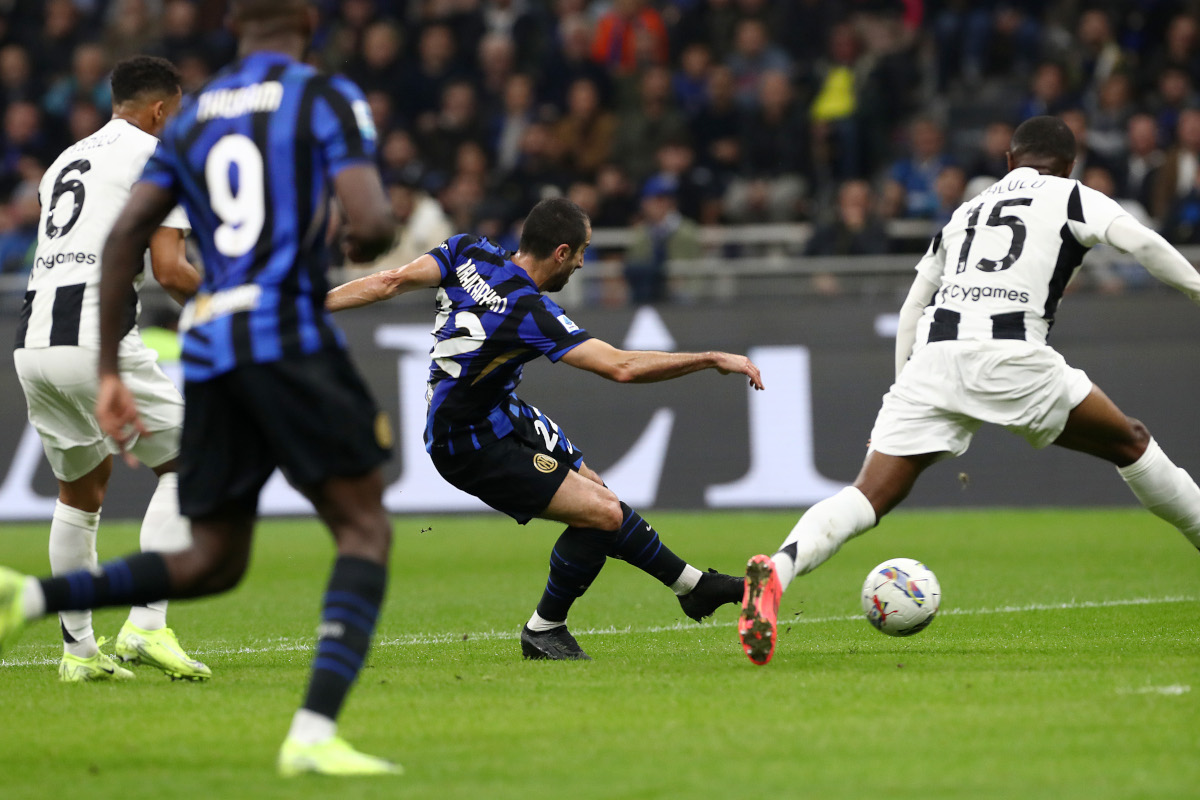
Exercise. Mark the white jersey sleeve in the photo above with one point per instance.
(1095, 213)
(178, 218)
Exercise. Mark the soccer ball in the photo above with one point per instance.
(901, 596)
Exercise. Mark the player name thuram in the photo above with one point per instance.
(230, 103)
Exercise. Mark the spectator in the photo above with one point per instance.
(949, 188)
(506, 128)
(420, 90)
(691, 81)
(130, 28)
(400, 159)
(1180, 51)
(776, 168)
(19, 220)
(753, 56)
(83, 120)
(1085, 154)
(421, 225)
(522, 23)
(910, 186)
(537, 174)
(1047, 92)
(1177, 175)
(992, 158)
(618, 202)
(855, 231)
(1108, 117)
(572, 61)
(1099, 55)
(17, 81)
(654, 122)
(662, 235)
(716, 126)
(630, 36)
(375, 67)
(1142, 161)
(1181, 223)
(57, 40)
(1175, 93)
(88, 81)
(22, 137)
(456, 121)
(976, 37)
(181, 33)
(698, 193)
(834, 109)
(343, 38)
(497, 63)
(194, 71)
(585, 133)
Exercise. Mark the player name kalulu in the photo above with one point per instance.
(230, 103)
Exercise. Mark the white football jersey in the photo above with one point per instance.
(1005, 256)
(82, 193)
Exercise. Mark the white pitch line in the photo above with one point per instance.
(283, 645)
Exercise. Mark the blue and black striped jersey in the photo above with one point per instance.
(491, 320)
(251, 157)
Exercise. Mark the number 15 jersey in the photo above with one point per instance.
(1005, 257)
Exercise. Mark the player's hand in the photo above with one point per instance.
(728, 362)
(117, 413)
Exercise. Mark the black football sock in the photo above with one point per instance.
(131, 581)
(351, 607)
(576, 560)
(638, 544)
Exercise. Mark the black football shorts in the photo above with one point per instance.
(310, 416)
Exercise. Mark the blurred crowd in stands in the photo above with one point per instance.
(669, 115)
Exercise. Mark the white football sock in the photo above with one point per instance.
(1166, 491)
(33, 601)
(164, 530)
(687, 580)
(822, 530)
(72, 548)
(537, 624)
(309, 727)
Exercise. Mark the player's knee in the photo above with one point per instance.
(608, 514)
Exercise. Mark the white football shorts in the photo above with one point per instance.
(60, 387)
(949, 389)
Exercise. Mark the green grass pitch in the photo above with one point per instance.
(1065, 664)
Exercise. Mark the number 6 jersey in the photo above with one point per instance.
(1005, 257)
(81, 195)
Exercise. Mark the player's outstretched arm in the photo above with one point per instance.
(1155, 254)
(368, 222)
(423, 273)
(651, 366)
(168, 262)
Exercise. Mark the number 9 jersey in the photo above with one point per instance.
(252, 157)
(1005, 257)
(81, 195)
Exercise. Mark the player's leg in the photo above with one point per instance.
(145, 637)
(1097, 427)
(352, 508)
(73, 529)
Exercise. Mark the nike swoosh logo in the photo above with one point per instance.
(109, 670)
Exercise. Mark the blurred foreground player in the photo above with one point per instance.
(253, 158)
(492, 319)
(971, 348)
(57, 341)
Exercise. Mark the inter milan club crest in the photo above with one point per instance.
(544, 463)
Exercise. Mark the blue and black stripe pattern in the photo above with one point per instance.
(348, 618)
(576, 560)
(492, 320)
(133, 581)
(638, 544)
(252, 157)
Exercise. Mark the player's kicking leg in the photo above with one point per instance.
(602, 526)
(353, 510)
(73, 547)
(1097, 427)
(145, 637)
(883, 482)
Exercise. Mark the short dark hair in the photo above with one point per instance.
(144, 75)
(266, 10)
(552, 222)
(1045, 137)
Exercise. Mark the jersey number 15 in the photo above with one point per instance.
(996, 219)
